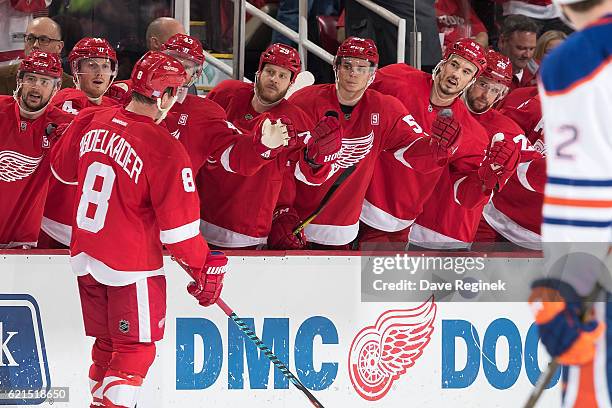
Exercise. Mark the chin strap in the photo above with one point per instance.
(164, 112)
(181, 93)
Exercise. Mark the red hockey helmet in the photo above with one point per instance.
(185, 46)
(499, 68)
(356, 47)
(282, 55)
(155, 72)
(469, 50)
(42, 63)
(92, 48)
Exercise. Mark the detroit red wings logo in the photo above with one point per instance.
(16, 166)
(380, 354)
(352, 151)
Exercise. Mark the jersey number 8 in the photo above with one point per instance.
(100, 198)
(97, 198)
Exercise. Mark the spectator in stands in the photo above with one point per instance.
(288, 14)
(14, 18)
(546, 42)
(160, 30)
(361, 22)
(457, 19)
(544, 12)
(517, 41)
(42, 34)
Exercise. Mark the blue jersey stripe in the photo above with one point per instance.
(594, 47)
(577, 223)
(579, 182)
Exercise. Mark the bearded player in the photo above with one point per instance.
(245, 212)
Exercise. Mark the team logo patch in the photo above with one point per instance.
(183, 119)
(248, 116)
(374, 119)
(352, 151)
(380, 354)
(124, 326)
(23, 126)
(16, 166)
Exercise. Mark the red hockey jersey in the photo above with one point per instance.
(516, 211)
(137, 191)
(397, 194)
(24, 171)
(444, 222)
(236, 211)
(209, 138)
(57, 218)
(377, 123)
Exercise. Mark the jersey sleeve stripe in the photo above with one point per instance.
(61, 179)
(578, 203)
(182, 233)
(577, 223)
(225, 159)
(579, 182)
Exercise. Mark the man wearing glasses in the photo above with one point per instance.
(42, 34)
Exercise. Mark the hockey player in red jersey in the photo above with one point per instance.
(136, 192)
(202, 125)
(515, 213)
(389, 210)
(27, 122)
(371, 123)
(446, 221)
(238, 211)
(94, 66)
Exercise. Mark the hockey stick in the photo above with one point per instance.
(268, 353)
(546, 376)
(347, 172)
(260, 344)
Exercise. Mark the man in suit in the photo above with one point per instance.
(42, 34)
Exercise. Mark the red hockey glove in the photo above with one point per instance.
(208, 282)
(445, 132)
(272, 137)
(281, 237)
(565, 333)
(119, 91)
(325, 142)
(500, 163)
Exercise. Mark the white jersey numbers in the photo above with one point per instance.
(91, 217)
(188, 183)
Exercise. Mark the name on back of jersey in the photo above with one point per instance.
(114, 146)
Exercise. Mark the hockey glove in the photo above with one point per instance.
(445, 134)
(208, 282)
(281, 237)
(566, 335)
(500, 162)
(325, 142)
(271, 138)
